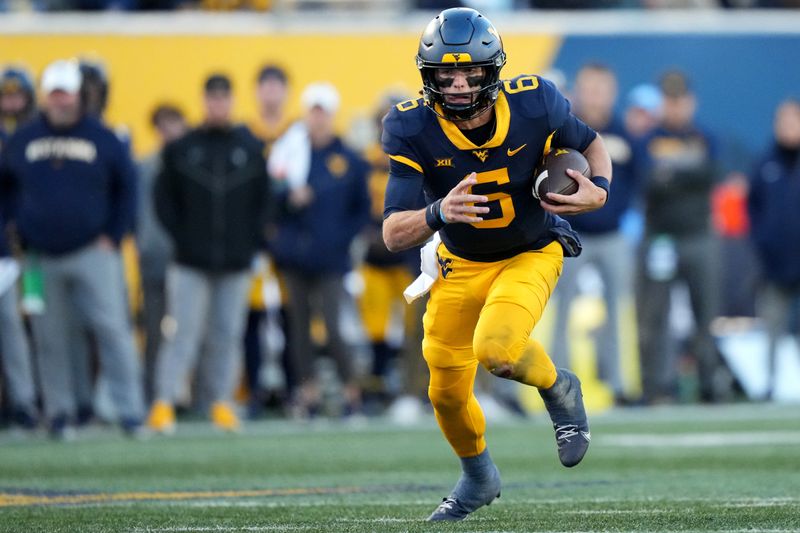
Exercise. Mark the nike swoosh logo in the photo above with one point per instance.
(586, 435)
(512, 153)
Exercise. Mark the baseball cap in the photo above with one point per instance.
(217, 82)
(645, 96)
(64, 75)
(321, 94)
(16, 78)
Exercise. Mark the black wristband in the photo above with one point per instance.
(432, 216)
(603, 183)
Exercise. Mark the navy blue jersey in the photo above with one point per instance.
(431, 154)
(625, 161)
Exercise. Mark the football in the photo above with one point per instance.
(551, 176)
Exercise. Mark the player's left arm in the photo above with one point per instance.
(571, 132)
(588, 196)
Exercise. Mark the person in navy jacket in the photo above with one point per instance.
(775, 229)
(324, 205)
(604, 244)
(73, 196)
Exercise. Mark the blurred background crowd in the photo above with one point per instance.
(400, 5)
(235, 267)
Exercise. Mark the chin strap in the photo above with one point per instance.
(441, 114)
(439, 109)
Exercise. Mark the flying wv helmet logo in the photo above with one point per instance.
(483, 155)
(560, 151)
(444, 265)
(458, 57)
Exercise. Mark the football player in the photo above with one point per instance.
(471, 144)
(272, 121)
(385, 274)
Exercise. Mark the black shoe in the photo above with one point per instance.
(24, 418)
(84, 415)
(564, 403)
(60, 428)
(133, 428)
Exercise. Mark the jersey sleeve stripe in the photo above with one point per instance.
(406, 161)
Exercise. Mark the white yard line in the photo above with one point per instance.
(726, 504)
(621, 511)
(767, 503)
(610, 502)
(751, 530)
(699, 440)
(283, 527)
(286, 527)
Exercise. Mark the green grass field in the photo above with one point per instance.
(731, 468)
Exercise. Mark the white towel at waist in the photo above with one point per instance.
(429, 270)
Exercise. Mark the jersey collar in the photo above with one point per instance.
(503, 117)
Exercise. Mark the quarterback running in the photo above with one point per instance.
(471, 145)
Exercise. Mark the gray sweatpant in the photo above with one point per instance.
(775, 307)
(325, 292)
(15, 354)
(202, 306)
(696, 264)
(613, 257)
(88, 282)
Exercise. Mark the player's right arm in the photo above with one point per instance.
(404, 224)
(404, 229)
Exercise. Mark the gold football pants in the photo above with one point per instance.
(383, 291)
(484, 313)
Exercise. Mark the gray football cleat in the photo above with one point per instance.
(564, 403)
(452, 510)
(466, 498)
